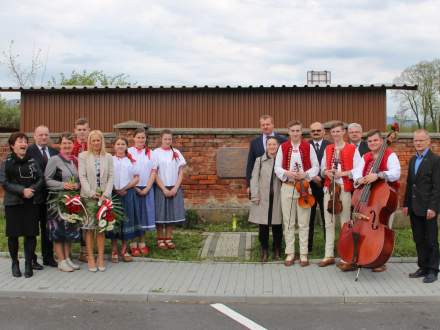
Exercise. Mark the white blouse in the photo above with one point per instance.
(144, 164)
(123, 172)
(167, 167)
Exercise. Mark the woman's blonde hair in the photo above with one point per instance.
(89, 142)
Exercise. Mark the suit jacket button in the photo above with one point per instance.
(414, 185)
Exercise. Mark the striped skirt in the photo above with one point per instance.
(169, 210)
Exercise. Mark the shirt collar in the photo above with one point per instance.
(423, 153)
(41, 147)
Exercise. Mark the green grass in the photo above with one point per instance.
(189, 241)
(404, 245)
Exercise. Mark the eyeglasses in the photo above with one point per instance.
(316, 131)
(418, 141)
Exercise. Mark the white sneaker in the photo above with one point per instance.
(64, 266)
(72, 264)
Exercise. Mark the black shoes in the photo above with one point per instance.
(50, 263)
(16, 269)
(36, 266)
(430, 278)
(418, 273)
(28, 272)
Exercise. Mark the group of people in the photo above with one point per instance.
(282, 172)
(148, 183)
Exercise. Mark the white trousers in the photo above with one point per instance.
(330, 221)
(293, 214)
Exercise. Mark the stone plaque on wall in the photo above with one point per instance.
(231, 162)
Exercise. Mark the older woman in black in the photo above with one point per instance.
(23, 183)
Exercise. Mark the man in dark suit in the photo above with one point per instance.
(41, 152)
(354, 131)
(257, 146)
(422, 203)
(318, 142)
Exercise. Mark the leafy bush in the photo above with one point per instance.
(9, 115)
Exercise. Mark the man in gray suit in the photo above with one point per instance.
(354, 131)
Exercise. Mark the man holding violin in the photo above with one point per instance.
(295, 165)
(422, 201)
(337, 164)
(388, 170)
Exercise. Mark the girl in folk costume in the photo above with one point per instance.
(337, 167)
(389, 170)
(125, 180)
(266, 202)
(169, 193)
(296, 161)
(144, 202)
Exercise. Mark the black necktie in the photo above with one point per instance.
(43, 150)
(317, 146)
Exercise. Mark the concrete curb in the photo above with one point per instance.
(153, 297)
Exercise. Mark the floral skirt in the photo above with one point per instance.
(60, 230)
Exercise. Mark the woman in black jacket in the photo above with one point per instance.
(23, 183)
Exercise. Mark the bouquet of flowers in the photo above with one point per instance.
(68, 206)
(107, 213)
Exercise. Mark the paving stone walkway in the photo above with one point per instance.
(222, 282)
(225, 245)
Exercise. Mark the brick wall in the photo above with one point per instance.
(217, 197)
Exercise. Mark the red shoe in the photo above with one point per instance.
(169, 243)
(135, 252)
(161, 244)
(144, 250)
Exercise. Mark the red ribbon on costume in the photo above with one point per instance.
(130, 157)
(175, 155)
(105, 208)
(73, 203)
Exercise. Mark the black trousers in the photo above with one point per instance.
(277, 235)
(46, 244)
(30, 243)
(425, 235)
(318, 193)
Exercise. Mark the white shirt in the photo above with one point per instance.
(167, 167)
(356, 161)
(123, 172)
(296, 159)
(317, 142)
(144, 164)
(391, 175)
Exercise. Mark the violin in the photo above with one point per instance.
(366, 240)
(334, 205)
(302, 186)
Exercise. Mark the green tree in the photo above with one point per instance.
(9, 115)
(92, 78)
(422, 104)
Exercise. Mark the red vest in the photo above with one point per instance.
(346, 157)
(78, 148)
(304, 151)
(369, 161)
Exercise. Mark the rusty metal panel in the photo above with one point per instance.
(202, 108)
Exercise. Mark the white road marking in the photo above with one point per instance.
(237, 317)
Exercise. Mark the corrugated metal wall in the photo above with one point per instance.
(203, 108)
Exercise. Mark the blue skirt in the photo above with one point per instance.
(169, 210)
(131, 227)
(145, 207)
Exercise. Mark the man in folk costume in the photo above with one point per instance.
(389, 170)
(296, 160)
(338, 162)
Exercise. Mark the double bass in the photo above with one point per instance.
(366, 240)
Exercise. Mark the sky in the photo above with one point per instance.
(223, 42)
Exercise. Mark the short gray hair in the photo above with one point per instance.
(354, 125)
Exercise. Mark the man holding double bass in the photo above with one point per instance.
(388, 170)
(422, 203)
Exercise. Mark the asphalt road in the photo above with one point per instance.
(24, 313)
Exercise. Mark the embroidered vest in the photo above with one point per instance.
(346, 157)
(304, 151)
(369, 161)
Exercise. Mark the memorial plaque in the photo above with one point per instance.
(231, 162)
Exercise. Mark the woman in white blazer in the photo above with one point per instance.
(96, 177)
